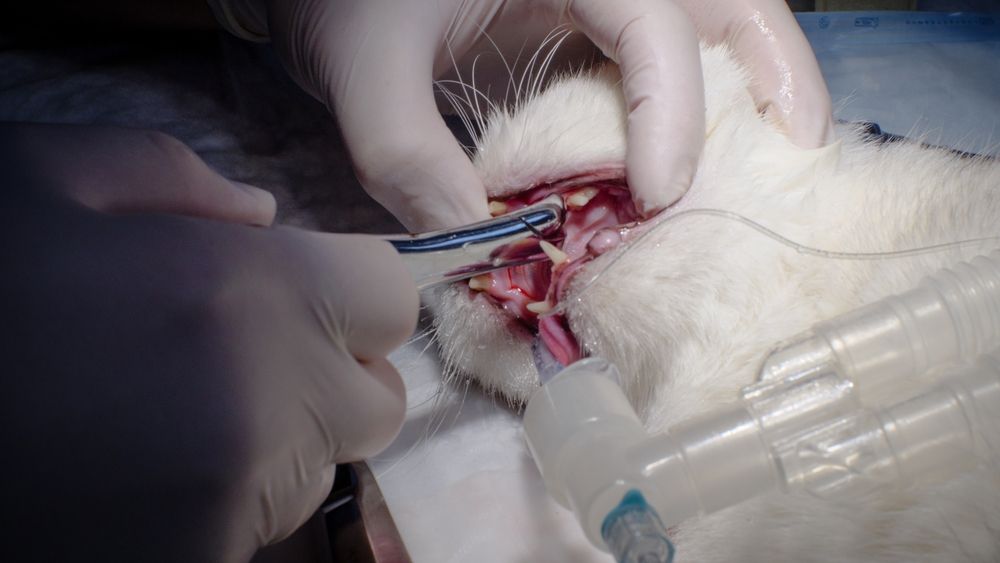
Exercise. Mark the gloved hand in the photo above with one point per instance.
(787, 83)
(372, 62)
(178, 389)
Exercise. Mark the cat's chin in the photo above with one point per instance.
(599, 217)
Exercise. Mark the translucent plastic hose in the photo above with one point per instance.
(804, 426)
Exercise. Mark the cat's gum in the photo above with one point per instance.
(595, 214)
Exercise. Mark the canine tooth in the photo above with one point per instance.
(479, 283)
(581, 198)
(539, 307)
(497, 208)
(557, 256)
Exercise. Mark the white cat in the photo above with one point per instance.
(690, 311)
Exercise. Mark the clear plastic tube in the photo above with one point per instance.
(953, 315)
(670, 218)
(592, 450)
(948, 428)
(804, 426)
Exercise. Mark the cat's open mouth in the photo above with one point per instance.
(598, 212)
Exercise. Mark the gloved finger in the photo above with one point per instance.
(787, 84)
(655, 45)
(403, 153)
(374, 413)
(348, 411)
(350, 301)
(363, 293)
(116, 170)
(290, 499)
(357, 412)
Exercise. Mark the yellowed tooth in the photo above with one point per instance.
(479, 283)
(557, 256)
(497, 208)
(581, 198)
(539, 307)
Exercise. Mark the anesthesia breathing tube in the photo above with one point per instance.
(817, 419)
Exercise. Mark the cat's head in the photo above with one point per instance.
(595, 299)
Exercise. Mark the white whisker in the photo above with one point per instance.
(547, 62)
(463, 115)
(506, 63)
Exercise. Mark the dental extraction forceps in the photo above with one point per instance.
(470, 250)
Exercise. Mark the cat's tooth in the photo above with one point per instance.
(580, 198)
(479, 283)
(557, 256)
(497, 208)
(539, 307)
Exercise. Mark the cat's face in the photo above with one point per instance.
(691, 308)
(655, 309)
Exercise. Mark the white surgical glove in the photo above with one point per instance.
(373, 61)
(177, 388)
(787, 83)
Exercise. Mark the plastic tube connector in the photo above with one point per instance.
(802, 427)
(952, 315)
(634, 533)
(592, 450)
(951, 426)
(593, 453)
(578, 427)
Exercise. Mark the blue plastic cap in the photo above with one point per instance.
(634, 533)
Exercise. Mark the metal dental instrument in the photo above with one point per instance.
(467, 251)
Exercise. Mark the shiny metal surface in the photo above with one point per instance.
(365, 532)
(470, 250)
(353, 525)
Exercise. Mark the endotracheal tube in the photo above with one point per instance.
(818, 420)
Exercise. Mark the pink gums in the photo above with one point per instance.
(588, 231)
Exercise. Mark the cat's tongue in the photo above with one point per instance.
(595, 215)
(557, 337)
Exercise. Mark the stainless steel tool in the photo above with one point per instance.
(467, 251)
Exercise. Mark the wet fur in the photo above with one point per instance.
(689, 314)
